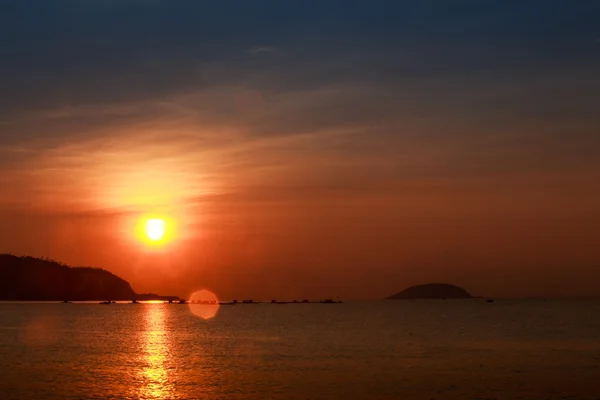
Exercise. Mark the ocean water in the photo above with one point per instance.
(460, 349)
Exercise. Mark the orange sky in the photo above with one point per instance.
(353, 162)
(496, 239)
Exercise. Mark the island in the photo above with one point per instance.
(42, 279)
(432, 291)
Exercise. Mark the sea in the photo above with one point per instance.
(421, 349)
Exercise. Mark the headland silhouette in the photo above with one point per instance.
(42, 279)
(432, 291)
(29, 278)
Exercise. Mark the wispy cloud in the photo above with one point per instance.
(366, 137)
(262, 49)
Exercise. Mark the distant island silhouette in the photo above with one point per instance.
(36, 279)
(432, 291)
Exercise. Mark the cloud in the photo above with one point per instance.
(263, 49)
(340, 108)
(427, 127)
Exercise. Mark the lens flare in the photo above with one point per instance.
(204, 304)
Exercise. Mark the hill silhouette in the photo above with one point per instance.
(432, 291)
(30, 278)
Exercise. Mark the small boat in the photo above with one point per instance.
(106, 302)
(205, 302)
(490, 300)
(329, 301)
(66, 302)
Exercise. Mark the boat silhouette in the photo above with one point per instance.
(329, 301)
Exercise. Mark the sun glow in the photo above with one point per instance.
(155, 229)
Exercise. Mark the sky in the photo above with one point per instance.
(306, 149)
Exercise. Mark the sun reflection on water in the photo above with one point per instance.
(154, 376)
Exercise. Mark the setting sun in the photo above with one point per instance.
(155, 229)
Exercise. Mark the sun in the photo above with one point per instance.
(155, 229)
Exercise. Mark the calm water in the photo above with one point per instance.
(529, 349)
